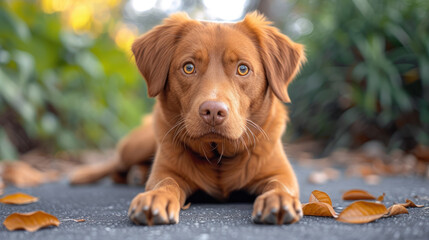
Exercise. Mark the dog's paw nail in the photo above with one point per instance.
(259, 214)
(256, 219)
(132, 211)
(145, 208)
(288, 217)
(171, 217)
(300, 213)
(159, 220)
(285, 208)
(270, 219)
(155, 211)
(274, 210)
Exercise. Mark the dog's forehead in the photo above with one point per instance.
(218, 37)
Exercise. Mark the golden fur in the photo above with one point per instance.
(245, 152)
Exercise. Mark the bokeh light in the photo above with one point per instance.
(225, 9)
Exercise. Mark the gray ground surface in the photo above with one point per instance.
(104, 206)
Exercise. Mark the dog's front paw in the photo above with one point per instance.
(276, 207)
(154, 208)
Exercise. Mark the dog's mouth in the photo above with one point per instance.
(213, 136)
(195, 130)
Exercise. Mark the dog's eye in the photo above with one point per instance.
(189, 68)
(243, 70)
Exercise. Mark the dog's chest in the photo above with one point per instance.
(222, 179)
(220, 175)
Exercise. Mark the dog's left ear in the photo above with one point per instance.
(281, 57)
(154, 50)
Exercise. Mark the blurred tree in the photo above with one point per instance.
(65, 82)
(367, 75)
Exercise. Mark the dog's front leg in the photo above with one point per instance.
(278, 202)
(160, 205)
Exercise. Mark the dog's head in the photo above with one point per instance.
(214, 80)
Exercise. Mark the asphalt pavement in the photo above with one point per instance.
(104, 207)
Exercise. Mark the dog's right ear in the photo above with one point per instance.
(281, 57)
(154, 50)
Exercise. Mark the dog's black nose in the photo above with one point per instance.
(213, 113)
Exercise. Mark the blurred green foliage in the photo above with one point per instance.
(367, 75)
(62, 90)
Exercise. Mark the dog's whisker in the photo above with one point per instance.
(244, 129)
(245, 145)
(177, 134)
(185, 137)
(178, 123)
(236, 146)
(184, 140)
(253, 135)
(259, 128)
(205, 155)
(178, 129)
(220, 157)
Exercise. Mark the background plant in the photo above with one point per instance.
(367, 77)
(59, 88)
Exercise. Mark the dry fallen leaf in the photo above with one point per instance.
(31, 222)
(320, 209)
(410, 203)
(18, 199)
(22, 174)
(396, 210)
(381, 198)
(357, 194)
(187, 206)
(362, 212)
(319, 196)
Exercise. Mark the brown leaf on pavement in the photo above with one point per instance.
(362, 212)
(381, 198)
(31, 222)
(357, 194)
(187, 206)
(320, 209)
(410, 203)
(18, 199)
(22, 174)
(396, 210)
(319, 196)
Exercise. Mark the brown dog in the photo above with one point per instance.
(218, 119)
